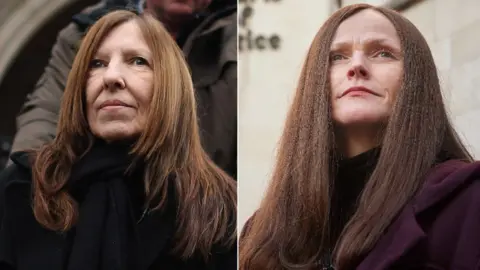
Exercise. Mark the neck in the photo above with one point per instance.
(354, 141)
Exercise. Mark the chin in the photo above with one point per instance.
(115, 134)
(361, 118)
(361, 114)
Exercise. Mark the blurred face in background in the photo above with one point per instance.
(120, 84)
(176, 11)
(366, 70)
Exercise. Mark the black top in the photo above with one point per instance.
(352, 175)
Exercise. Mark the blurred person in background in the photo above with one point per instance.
(5, 147)
(126, 184)
(206, 30)
(370, 173)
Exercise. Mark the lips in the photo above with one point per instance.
(358, 89)
(113, 102)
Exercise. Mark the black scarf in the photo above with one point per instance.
(104, 236)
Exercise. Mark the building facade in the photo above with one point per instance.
(268, 76)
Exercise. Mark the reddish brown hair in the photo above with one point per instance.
(291, 228)
(206, 196)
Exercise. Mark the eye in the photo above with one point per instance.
(384, 54)
(139, 61)
(96, 63)
(337, 57)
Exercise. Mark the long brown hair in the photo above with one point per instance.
(169, 144)
(291, 228)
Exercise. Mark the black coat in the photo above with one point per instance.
(25, 244)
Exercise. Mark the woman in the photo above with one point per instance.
(370, 174)
(125, 184)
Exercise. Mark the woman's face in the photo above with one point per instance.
(366, 69)
(120, 84)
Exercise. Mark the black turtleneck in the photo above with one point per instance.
(351, 176)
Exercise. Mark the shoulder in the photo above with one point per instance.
(68, 39)
(453, 169)
(224, 23)
(71, 34)
(464, 180)
(447, 179)
(231, 25)
(467, 176)
(451, 189)
(12, 173)
(15, 191)
(19, 172)
(230, 34)
(452, 198)
(6, 176)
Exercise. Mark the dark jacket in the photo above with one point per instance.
(26, 245)
(439, 229)
(210, 49)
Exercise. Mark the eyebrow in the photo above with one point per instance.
(128, 51)
(370, 41)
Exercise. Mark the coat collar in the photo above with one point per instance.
(405, 232)
(23, 168)
(22, 159)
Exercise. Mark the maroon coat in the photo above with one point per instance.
(439, 228)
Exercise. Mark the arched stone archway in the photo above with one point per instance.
(28, 30)
(26, 17)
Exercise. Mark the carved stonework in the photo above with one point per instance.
(20, 19)
(8, 7)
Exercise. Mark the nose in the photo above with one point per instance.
(113, 77)
(358, 68)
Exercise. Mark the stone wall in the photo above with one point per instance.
(452, 29)
(8, 7)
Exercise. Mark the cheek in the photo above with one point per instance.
(392, 80)
(334, 75)
(92, 90)
(337, 76)
(144, 94)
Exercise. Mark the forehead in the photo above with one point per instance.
(125, 36)
(364, 25)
